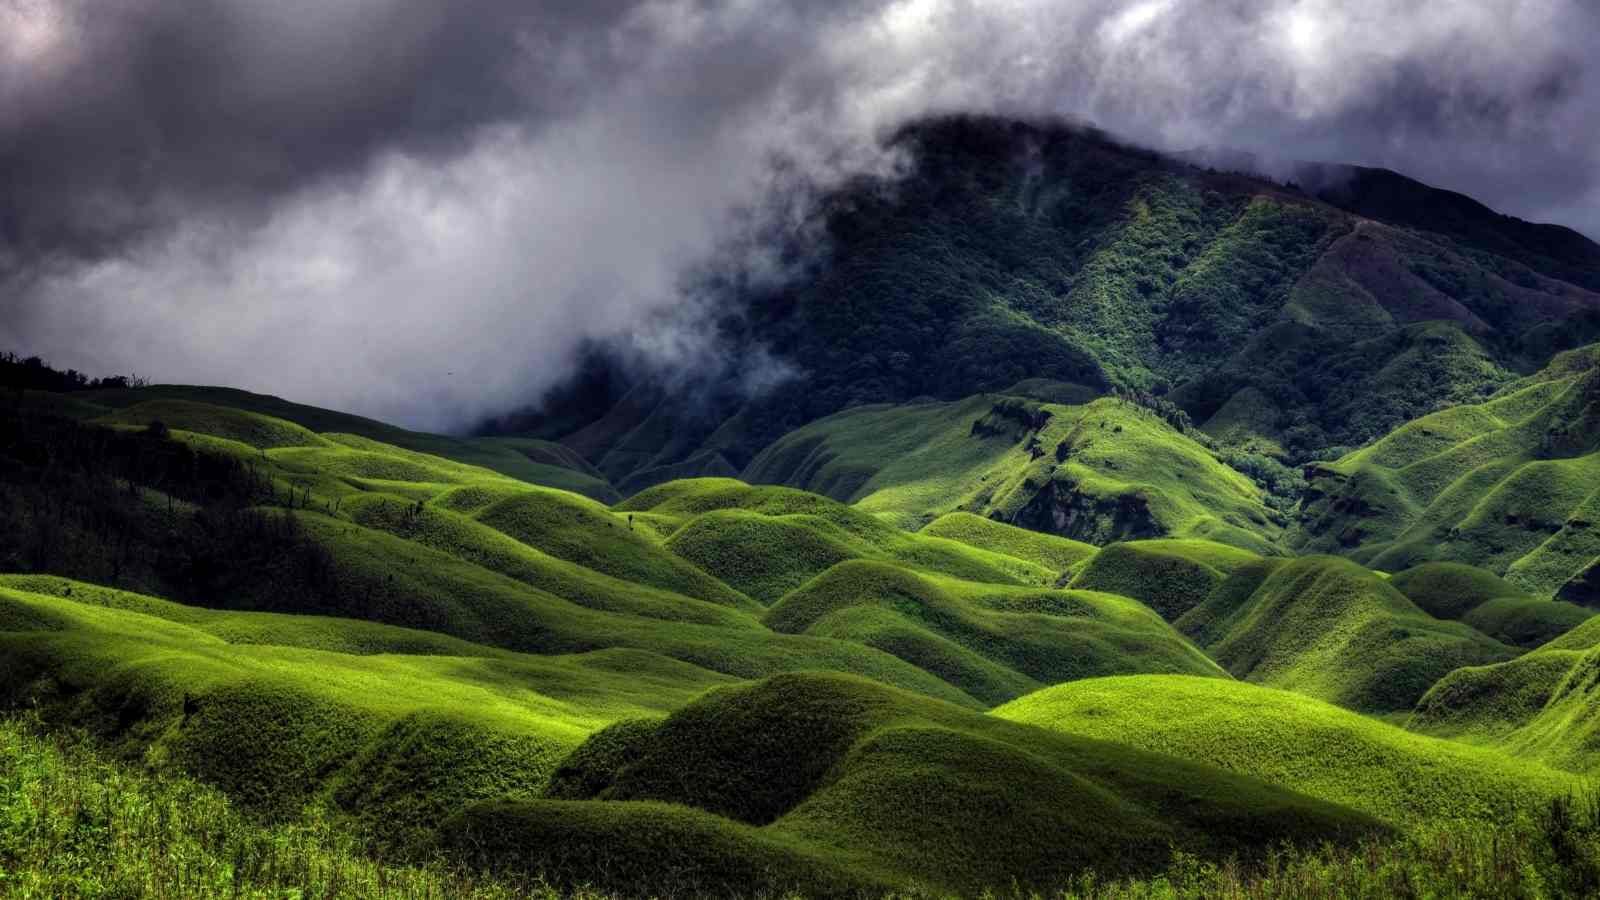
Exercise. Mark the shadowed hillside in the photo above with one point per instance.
(1014, 251)
(1508, 485)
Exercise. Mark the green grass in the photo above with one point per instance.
(395, 738)
(1538, 706)
(1054, 553)
(889, 787)
(1298, 743)
(535, 462)
(1170, 576)
(993, 642)
(1506, 485)
(1333, 631)
(1488, 603)
(73, 825)
(766, 541)
(1102, 471)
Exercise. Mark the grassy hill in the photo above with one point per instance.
(264, 421)
(1506, 485)
(1105, 470)
(1293, 741)
(1331, 630)
(834, 783)
(992, 641)
(1538, 706)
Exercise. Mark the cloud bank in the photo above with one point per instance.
(420, 209)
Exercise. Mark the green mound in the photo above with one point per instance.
(767, 541)
(1170, 577)
(471, 541)
(380, 577)
(907, 790)
(397, 739)
(1107, 470)
(588, 534)
(1334, 631)
(254, 429)
(534, 462)
(1054, 553)
(1506, 485)
(1487, 603)
(1539, 706)
(1299, 743)
(650, 849)
(993, 642)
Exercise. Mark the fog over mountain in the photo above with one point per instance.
(420, 210)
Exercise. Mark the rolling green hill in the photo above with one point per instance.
(1302, 744)
(1506, 485)
(994, 642)
(263, 421)
(1538, 706)
(1103, 517)
(1102, 471)
(1331, 630)
(833, 783)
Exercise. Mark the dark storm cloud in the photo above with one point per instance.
(419, 208)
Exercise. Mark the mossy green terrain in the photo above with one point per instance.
(1293, 741)
(992, 641)
(1507, 485)
(1488, 603)
(1332, 630)
(883, 787)
(1105, 470)
(1539, 706)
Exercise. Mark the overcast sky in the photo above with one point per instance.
(416, 209)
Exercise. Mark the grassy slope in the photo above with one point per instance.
(1299, 743)
(1334, 631)
(766, 541)
(1055, 553)
(1537, 706)
(1006, 252)
(1170, 576)
(397, 726)
(994, 642)
(1507, 485)
(886, 787)
(183, 406)
(1488, 603)
(1102, 471)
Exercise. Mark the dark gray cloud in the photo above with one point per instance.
(419, 208)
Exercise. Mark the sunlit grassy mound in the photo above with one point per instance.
(1539, 706)
(1507, 485)
(254, 429)
(1169, 576)
(1334, 631)
(890, 788)
(222, 412)
(767, 541)
(1106, 470)
(581, 531)
(1299, 743)
(380, 577)
(1056, 553)
(994, 642)
(398, 732)
(1487, 603)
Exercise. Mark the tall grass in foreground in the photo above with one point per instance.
(73, 825)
